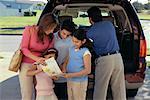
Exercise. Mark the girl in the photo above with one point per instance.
(35, 40)
(78, 67)
(44, 86)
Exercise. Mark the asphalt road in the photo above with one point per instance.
(9, 82)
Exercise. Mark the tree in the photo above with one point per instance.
(147, 6)
(39, 5)
(138, 6)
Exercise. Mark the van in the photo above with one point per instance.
(128, 30)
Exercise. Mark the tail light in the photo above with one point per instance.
(142, 61)
(143, 48)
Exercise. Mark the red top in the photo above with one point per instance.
(30, 44)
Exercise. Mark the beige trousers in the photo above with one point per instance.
(77, 90)
(109, 69)
(26, 82)
(47, 97)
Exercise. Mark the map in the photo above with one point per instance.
(52, 68)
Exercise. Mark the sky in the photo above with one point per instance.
(141, 1)
(29, 1)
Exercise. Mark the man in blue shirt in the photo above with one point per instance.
(109, 64)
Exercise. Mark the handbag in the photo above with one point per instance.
(16, 61)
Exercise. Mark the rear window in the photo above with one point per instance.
(79, 15)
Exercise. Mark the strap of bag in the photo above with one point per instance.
(30, 32)
(29, 40)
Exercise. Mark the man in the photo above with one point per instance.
(109, 64)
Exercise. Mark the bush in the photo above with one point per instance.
(26, 13)
(33, 13)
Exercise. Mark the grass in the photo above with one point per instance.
(148, 64)
(11, 31)
(81, 21)
(21, 21)
(1, 57)
(144, 16)
(17, 21)
(14, 21)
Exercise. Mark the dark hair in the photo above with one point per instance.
(68, 25)
(51, 51)
(95, 14)
(47, 21)
(81, 35)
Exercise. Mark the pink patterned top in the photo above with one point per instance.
(30, 44)
(44, 84)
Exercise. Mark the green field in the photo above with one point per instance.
(13, 22)
(21, 21)
(144, 16)
(17, 21)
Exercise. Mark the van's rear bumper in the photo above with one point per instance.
(133, 81)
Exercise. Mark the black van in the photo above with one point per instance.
(128, 30)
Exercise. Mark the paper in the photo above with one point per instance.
(52, 68)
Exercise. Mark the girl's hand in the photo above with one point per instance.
(39, 69)
(91, 76)
(41, 60)
(67, 75)
(54, 77)
(63, 70)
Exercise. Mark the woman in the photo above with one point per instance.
(36, 39)
(62, 42)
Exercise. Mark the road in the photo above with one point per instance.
(9, 82)
(9, 43)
